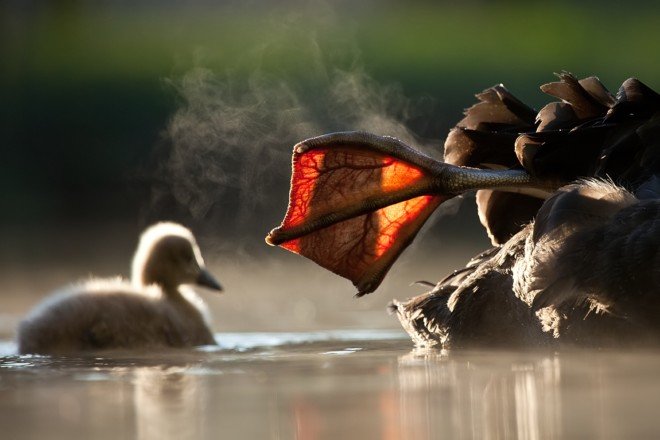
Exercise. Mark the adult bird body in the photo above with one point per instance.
(357, 200)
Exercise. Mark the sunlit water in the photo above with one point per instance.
(329, 385)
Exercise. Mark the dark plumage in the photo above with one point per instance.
(155, 311)
(568, 195)
(495, 121)
(472, 306)
(586, 270)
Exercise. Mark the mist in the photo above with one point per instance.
(228, 145)
(206, 141)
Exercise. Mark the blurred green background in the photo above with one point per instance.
(115, 114)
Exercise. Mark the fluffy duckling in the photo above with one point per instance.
(153, 311)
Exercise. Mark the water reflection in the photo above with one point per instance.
(529, 396)
(329, 388)
(169, 403)
(480, 397)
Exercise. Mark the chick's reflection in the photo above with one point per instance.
(169, 403)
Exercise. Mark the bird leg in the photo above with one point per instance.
(357, 200)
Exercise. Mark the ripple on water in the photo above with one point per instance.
(231, 347)
(337, 384)
(247, 341)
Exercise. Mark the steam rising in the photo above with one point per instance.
(230, 138)
(230, 141)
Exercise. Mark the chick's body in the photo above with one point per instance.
(154, 311)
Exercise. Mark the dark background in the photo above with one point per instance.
(115, 114)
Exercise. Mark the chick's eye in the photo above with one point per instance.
(184, 258)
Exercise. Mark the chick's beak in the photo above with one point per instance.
(205, 279)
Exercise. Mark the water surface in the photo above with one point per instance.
(329, 385)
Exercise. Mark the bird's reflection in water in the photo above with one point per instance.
(170, 403)
(480, 397)
(382, 392)
(307, 419)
